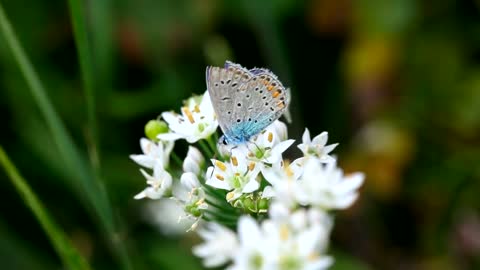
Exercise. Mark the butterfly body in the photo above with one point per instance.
(245, 101)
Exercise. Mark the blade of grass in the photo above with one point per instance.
(85, 57)
(69, 255)
(81, 176)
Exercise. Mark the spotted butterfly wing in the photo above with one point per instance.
(245, 102)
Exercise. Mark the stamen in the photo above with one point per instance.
(251, 166)
(220, 165)
(234, 161)
(270, 137)
(275, 94)
(270, 88)
(196, 109)
(189, 115)
(199, 202)
(219, 177)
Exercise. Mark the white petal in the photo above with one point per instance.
(248, 231)
(320, 139)
(329, 148)
(251, 186)
(189, 180)
(350, 183)
(324, 263)
(170, 136)
(143, 160)
(345, 201)
(268, 192)
(306, 137)
(146, 145)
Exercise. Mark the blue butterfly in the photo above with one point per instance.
(245, 101)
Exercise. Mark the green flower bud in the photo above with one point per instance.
(263, 204)
(196, 212)
(155, 127)
(249, 204)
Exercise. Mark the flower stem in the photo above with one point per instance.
(212, 144)
(176, 159)
(206, 150)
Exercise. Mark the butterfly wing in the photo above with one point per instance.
(245, 103)
(264, 99)
(223, 86)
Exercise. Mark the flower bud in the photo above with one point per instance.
(155, 127)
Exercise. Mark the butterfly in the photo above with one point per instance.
(245, 101)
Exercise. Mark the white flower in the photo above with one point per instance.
(196, 122)
(276, 245)
(191, 196)
(193, 161)
(159, 183)
(325, 186)
(238, 175)
(153, 153)
(317, 147)
(254, 250)
(219, 247)
(284, 183)
(268, 146)
(164, 214)
(298, 241)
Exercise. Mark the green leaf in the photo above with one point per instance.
(82, 178)
(69, 255)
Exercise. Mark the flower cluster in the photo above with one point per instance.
(254, 209)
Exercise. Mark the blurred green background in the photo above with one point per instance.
(396, 83)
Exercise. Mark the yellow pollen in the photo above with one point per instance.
(281, 104)
(275, 94)
(284, 233)
(189, 115)
(220, 165)
(234, 161)
(312, 256)
(237, 174)
(219, 177)
(251, 166)
(289, 171)
(270, 137)
(196, 109)
(270, 88)
(200, 201)
(230, 196)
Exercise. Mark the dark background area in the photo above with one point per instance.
(396, 83)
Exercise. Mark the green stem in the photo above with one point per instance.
(176, 159)
(69, 255)
(206, 150)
